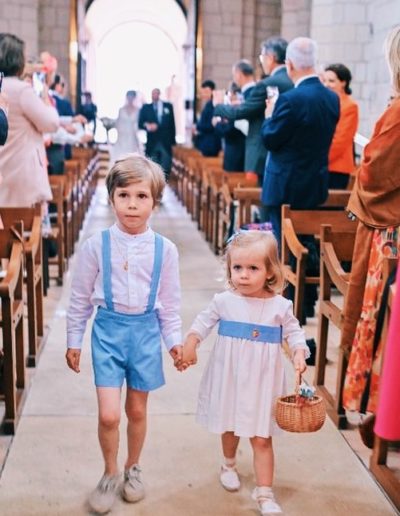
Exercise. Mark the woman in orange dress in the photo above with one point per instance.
(375, 201)
(337, 77)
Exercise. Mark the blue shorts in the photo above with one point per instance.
(127, 346)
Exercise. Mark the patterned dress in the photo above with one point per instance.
(385, 243)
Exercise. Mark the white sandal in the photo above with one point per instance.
(229, 478)
(265, 499)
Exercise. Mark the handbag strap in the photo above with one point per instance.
(377, 336)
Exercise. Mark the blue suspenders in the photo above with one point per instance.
(155, 277)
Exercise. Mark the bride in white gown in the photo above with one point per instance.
(127, 127)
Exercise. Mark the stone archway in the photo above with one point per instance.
(131, 44)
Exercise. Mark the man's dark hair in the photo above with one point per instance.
(245, 67)
(208, 84)
(275, 46)
(57, 80)
(12, 58)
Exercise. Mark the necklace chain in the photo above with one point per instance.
(256, 332)
(125, 264)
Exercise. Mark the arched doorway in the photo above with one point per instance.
(132, 44)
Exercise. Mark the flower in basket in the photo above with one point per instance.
(305, 393)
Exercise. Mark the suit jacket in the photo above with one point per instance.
(234, 146)
(3, 127)
(165, 134)
(63, 106)
(298, 137)
(341, 156)
(208, 141)
(23, 157)
(252, 109)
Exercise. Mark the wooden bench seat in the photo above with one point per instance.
(308, 223)
(12, 327)
(335, 248)
(32, 221)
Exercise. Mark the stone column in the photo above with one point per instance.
(296, 18)
(54, 27)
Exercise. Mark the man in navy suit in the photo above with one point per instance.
(206, 138)
(297, 132)
(3, 120)
(272, 58)
(157, 119)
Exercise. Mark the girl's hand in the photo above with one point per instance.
(299, 361)
(73, 357)
(189, 352)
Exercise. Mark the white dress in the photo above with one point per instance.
(127, 127)
(244, 377)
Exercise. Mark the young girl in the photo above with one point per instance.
(245, 373)
(131, 274)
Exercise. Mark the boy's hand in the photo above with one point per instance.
(73, 357)
(299, 361)
(176, 354)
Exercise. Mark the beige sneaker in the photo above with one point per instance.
(266, 501)
(103, 497)
(133, 489)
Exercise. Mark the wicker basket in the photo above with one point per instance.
(295, 414)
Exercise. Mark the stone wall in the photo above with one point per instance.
(234, 29)
(20, 17)
(352, 32)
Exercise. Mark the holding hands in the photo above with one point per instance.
(188, 354)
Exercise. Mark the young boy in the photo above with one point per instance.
(131, 274)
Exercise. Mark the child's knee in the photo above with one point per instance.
(109, 420)
(261, 443)
(136, 414)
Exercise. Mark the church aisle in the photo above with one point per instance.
(55, 460)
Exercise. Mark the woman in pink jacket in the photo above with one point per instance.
(23, 170)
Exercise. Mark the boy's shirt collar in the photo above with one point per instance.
(126, 237)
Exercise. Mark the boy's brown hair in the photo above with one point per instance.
(134, 168)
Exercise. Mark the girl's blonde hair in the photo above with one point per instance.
(134, 168)
(275, 284)
(392, 50)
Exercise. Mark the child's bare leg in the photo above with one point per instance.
(263, 460)
(109, 401)
(230, 442)
(136, 411)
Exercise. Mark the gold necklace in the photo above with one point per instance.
(255, 333)
(125, 265)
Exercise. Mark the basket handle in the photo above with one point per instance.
(298, 382)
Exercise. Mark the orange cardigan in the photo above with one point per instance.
(341, 152)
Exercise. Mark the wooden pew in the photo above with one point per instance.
(306, 222)
(248, 197)
(31, 220)
(57, 184)
(12, 310)
(335, 247)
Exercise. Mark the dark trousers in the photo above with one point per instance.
(338, 181)
(162, 156)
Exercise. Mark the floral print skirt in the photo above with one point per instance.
(385, 243)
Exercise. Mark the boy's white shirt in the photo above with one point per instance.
(130, 288)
